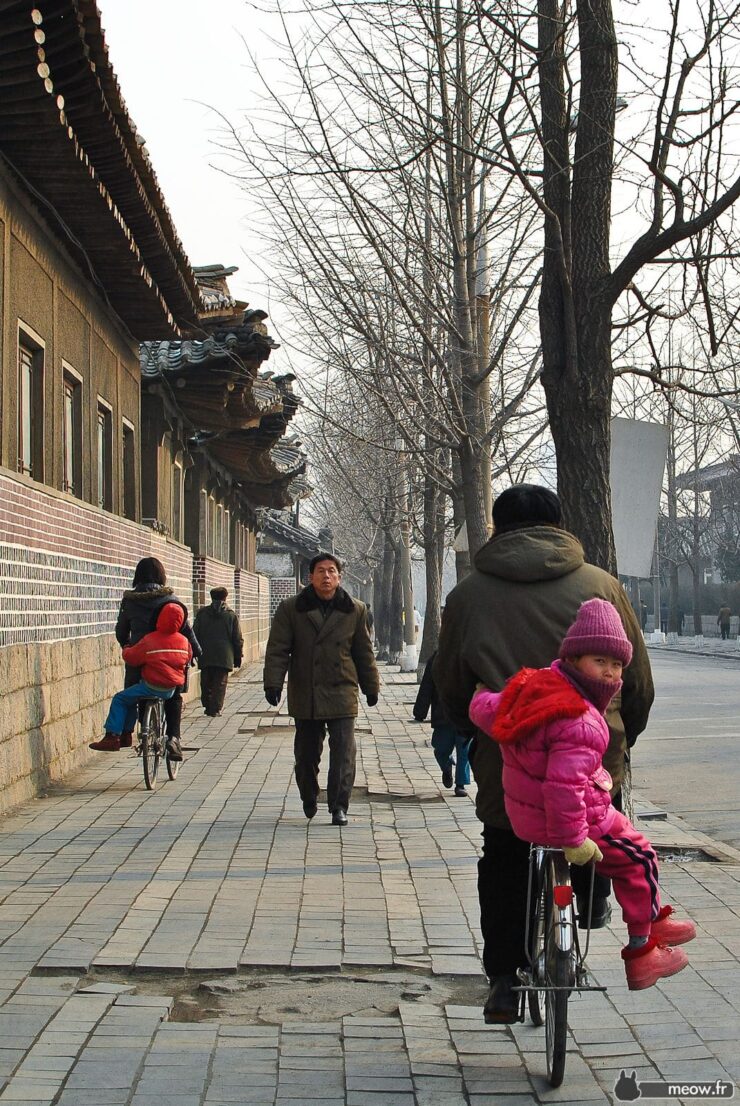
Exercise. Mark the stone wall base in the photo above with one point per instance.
(55, 697)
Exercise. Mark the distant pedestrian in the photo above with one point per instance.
(664, 618)
(681, 620)
(643, 615)
(320, 639)
(217, 629)
(723, 621)
(446, 740)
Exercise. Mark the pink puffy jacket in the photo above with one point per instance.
(552, 740)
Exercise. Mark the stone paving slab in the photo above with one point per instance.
(220, 872)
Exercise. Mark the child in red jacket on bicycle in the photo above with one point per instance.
(550, 727)
(163, 656)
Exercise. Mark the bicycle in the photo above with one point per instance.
(152, 743)
(557, 965)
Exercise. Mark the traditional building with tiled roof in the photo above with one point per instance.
(137, 417)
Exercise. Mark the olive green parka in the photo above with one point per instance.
(512, 612)
(326, 659)
(220, 637)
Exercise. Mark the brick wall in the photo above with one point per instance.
(64, 564)
(281, 587)
(63, 567)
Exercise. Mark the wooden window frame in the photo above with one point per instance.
(30, 455)
(104, 470)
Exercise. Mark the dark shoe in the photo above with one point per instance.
(447, 776)
(461, 793)
(174, 748)
(338, 817)
(309, 809)
(502, 1005)
(110, 743)
(601, 912)
(127, 740)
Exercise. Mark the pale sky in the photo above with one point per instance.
(171, 58)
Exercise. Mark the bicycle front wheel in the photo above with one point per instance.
(559, 967)
(151, 743)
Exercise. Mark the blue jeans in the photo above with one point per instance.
(445, 741)
(122, 714)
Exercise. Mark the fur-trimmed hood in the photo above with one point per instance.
(533, 698)
(308, 600)
(149, 592)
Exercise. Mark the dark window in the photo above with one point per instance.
(105, 466)
(30, 408)
(72, 435)
(129, 472)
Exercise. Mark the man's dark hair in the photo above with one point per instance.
(526, 505)
(149, 571)
(219, 593)
(324, 557)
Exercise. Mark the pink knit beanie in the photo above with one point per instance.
(597, 629)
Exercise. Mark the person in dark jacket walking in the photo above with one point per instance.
(219, 634)
(320, 639)
(511, 612)
(163, 657)
(446, 740)
(137, 616)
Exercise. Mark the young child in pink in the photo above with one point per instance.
(550, 725)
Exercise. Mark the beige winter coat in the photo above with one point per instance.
(512, 612)
(326, 659)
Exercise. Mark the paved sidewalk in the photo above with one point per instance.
(143, 938)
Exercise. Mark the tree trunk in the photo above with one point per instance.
(396, 610)
(383, 612)
(575, 304)
(433, 574)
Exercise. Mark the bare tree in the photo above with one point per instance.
(677, 177)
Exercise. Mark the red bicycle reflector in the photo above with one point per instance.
(563, 895)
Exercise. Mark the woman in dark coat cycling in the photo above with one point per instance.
(137, 616)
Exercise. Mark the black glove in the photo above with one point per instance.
(372, 700)
(272, 694)
(237, 662)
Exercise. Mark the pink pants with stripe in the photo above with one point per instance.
(632, 866)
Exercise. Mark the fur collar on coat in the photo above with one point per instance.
(151, 591)
(308, 600)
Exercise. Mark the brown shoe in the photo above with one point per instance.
(110, 743)
(127, 739)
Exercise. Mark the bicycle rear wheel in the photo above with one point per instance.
(151, 742)
(537, 941)
(559, 965)
(173, 766)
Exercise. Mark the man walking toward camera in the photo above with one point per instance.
(320, 639)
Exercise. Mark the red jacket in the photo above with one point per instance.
(164, 654)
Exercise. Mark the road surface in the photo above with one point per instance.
(688, 760)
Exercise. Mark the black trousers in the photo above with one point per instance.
(503, 871)
(308, 746)
(213, 683)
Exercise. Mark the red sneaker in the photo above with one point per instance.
(649, 963)
(671, 931)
